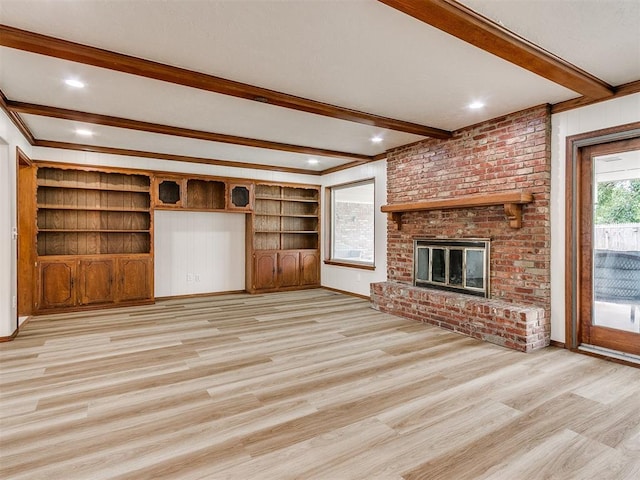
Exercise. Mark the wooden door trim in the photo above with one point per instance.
(575, 146)
(25, 225)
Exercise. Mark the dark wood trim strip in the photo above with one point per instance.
(620, 91)
(605, 357)
(557, 344)
(15, 118)
(23, 158)
(346, 166)
(467, 25)
(344, 292)
(66, 114)
(75, 52)
(10, 337)
(164, 156)
(350, 265)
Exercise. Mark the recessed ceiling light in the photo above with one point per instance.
(377, 139)
(72, 82)
(84, 132)
(312, 161)
(476, 105)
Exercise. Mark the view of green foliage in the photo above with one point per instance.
(618, 202)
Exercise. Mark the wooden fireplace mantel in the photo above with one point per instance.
(512, 201)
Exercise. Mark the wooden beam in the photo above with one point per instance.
(621, 91)
(63, 113)
(17, 121)
(166, 156)
(462, 22)
(75, 52)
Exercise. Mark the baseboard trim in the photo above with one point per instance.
(344, 292)
(556, 343)
(12, 336)
(198, 295)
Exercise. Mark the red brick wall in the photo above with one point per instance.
(511, 152)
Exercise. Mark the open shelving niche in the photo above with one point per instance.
(92, 213)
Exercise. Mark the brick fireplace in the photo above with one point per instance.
(502, 155)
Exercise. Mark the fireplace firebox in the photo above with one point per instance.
(460, 265)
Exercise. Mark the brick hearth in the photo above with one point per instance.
(517, 327)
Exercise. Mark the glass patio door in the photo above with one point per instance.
(609, 245)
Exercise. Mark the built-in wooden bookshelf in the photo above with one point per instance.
(94, 231)
(92, 227)
(284, 234)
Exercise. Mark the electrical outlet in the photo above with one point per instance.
(197, 277)
(189, 277)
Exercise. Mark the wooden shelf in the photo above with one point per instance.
(511, 200)
(92, 209)
(305, 232)
(281, 199)
(288, 215)
(88, 230)
(76, 186)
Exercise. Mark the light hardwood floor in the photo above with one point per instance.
(305, 385)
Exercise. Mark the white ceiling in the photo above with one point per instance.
(358, 54)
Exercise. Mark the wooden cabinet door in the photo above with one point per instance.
(240, 197)
(265, 271)
(134, 279)
(309, 268)
(288, 269)
(57, 283)
(96, 281)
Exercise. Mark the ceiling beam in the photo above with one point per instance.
(54, 47)
(462, 22)
(15, 118)
(165, 156)
(65, 114)
(621, 91)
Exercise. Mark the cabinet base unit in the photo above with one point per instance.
(80, 283)
(272, 271)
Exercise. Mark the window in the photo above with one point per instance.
(352, 223)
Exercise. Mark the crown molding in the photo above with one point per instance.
(118, 122)
(165, 156)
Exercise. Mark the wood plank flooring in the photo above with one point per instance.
(302, 385)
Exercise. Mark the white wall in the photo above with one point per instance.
(587, 119)
(10, 138)
(124, 161)
(350, 279)
(198, 252)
